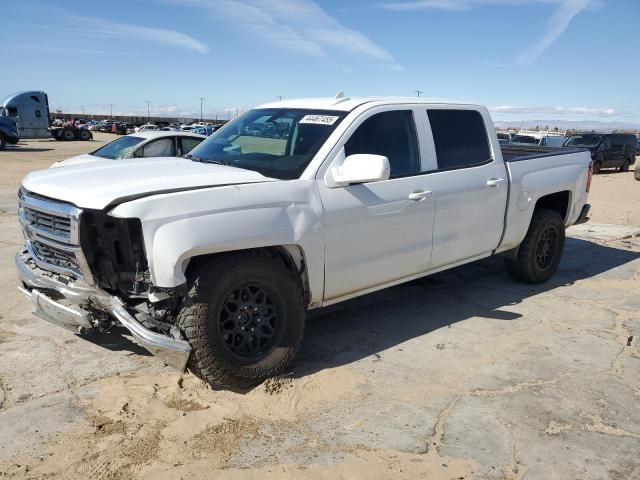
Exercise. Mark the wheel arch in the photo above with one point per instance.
(292, 256)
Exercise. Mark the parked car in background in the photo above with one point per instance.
(139, 145)
(146, 127)
(8, 132)
(541, 139)
(503, 137)
(213, 263)
(608, 150)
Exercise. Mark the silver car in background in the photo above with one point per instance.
(139, 145)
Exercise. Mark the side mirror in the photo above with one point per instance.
(359, 168)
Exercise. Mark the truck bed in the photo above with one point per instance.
(516, 153)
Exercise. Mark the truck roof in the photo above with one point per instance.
(346, 104)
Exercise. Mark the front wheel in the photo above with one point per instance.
(3, 142)
(85, 135)
(541, 250)
(625, 166)
(244, 318)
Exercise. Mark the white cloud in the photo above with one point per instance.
(144, 34)
(587, 111)
(297, 25)
(557, 24)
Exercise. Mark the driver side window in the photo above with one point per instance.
(159, 148)
(390, 134)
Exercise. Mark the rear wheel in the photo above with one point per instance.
(244, 318)
(625, 166)
(541, 250)
(68, 135)
(3, 142)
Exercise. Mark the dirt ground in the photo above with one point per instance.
(462, 375)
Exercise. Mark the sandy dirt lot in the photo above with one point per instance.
(462, 375)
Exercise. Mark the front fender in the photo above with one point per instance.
(183, 225)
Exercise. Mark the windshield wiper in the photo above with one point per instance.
(198, 159)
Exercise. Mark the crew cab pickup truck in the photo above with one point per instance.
(211, 261)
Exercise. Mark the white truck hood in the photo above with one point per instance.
(79, 159)
(99, 184)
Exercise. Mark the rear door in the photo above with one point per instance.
(470, 185)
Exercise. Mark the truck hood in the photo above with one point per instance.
(101, 184)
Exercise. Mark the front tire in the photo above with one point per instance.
(3, 142)
(244, 318)
(85, 135)
(625, 166)
(541, 250)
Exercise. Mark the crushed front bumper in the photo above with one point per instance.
(65, 302)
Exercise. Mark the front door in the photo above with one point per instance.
(378, 232)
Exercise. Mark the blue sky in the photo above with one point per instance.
(543, 59)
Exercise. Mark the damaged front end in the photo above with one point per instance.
(83, 269)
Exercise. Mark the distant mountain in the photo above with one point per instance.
(568, 125)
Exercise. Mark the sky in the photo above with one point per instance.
(524, 59)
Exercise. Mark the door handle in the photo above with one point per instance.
(495, 182)
(418, 196)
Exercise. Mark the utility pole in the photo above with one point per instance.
(148, 110)
(280, 97)
(418, 92)
(237, 111)
(111, 105)
(83, 110)
(201, 100)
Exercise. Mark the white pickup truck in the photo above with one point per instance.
(211, 261)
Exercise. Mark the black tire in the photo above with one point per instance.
(625, 166)
(85, 135)
(596, 167)
(68, 135)
(216, 294)
(541, 250)
(3, 142)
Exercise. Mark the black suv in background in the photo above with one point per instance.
(608, 150)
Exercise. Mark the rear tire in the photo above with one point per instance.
(596, 167)
(625, 166)
(3, 142)
(541, 250)
(230, 296)
(68, 135)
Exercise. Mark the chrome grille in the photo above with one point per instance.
(51, 231)
(55, 255)
(57, 225)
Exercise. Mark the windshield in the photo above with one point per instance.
(277, 143)
(118, 148)
(525, 140)
(588, 141)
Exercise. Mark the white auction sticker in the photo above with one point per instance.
(319, 119)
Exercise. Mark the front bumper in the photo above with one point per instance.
(72, 305)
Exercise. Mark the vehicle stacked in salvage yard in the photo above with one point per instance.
(211, 262)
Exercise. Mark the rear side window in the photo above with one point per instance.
(390, 134)
(188, 143)
(460, 138)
